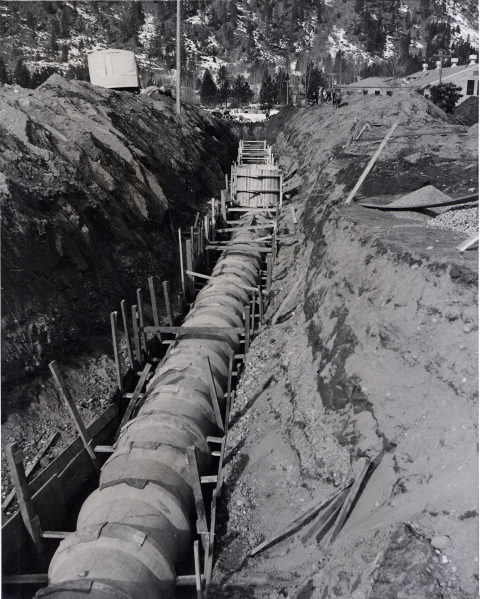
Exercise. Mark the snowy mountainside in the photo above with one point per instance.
(246, 36)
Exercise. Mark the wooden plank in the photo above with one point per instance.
(196, 274)
(134, 399)
(363, 464)
(453, 202)
(462, 247)
(168, 302)
(324, 520)
(417, 134)
(269, 209)
(25, 579)
(371, 163)
(297, 523)
(72, 408)
(96, 430)
(55, 534)
(116, 350)
(49, 502)
(104, 449)
(212, 478)
(197, 489)
(189, 269)
(123, 306)
(213, 393)
(31, 468)
(17, 472)
(252, 228)
(141, 315)
(187, 580)
(239, 251)
(195, 330)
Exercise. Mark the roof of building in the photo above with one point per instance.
(419, 79)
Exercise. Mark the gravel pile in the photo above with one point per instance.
(463, 218)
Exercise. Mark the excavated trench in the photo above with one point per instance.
(377, 352)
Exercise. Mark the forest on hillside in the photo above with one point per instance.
(247, 37)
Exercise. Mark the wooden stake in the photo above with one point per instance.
(260, 303)
(269, 272)
(247, 329)
(19, 479)
(254, 304)
(224, 209)
(229, 390)
(168, 302)
(202, 527)
(141, 314)
(136, 335)
(198, 578)
(72, 408)
(123, 305)
(134, 398)
(197, 216)
(189, 253)
(213, 393)
(116, 351)
(31, 468)
(182, 276)
(154, 301)
(371, 163)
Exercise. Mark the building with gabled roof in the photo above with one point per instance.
(465, 76)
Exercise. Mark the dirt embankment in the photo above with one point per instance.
(377, 352)
(93, 185)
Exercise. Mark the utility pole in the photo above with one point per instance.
(179, 58)
(441, 55)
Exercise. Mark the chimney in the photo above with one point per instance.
(454, 62)
(473, 59)
(425, 67)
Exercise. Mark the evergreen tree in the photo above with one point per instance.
(4, 76)
(241, 91)
(445, 96)
(21, 74)
(223, 84)
(208, 91)
(267, 91)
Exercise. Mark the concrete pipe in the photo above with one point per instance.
(134, 529)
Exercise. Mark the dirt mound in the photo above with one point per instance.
(90, 181)
(467, 112)
(378, 351)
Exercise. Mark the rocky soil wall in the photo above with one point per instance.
(378, 352)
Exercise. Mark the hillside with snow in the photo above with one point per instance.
(346, 38)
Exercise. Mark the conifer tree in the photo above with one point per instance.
(21, 74)
(267, 91)
(4, 76)
(208, 91)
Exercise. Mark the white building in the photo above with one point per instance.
(465, 76)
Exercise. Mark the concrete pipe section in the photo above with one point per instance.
(137, 525)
